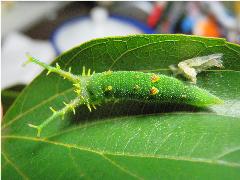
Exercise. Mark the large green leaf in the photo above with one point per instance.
(128, 140)
(9, 95)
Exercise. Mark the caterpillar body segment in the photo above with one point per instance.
(144, 87)
(98, 88)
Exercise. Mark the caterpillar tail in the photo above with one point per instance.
(66, 75)
(68, 107)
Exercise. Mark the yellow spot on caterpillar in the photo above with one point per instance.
(155, 78)
(184, 96)
(137, 76)
(109, 88)
(153, 91)
(136, 87)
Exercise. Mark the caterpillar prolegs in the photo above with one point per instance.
(98, 88)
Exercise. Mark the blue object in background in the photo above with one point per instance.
(188, 24)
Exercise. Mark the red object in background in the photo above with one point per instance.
(155, 15)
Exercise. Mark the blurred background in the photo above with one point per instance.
(46, 29)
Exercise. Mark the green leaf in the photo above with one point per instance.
(9, 95)
(128, 140)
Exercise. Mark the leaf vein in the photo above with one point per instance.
(82, 148)
(121, 167)
(14, 166)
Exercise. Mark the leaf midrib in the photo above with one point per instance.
(106, 153)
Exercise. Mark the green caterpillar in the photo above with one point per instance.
(98, 88)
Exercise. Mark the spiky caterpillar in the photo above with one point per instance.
(98, 88)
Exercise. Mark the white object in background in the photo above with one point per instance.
(21, 15)
(77, 31)
(14, 50)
